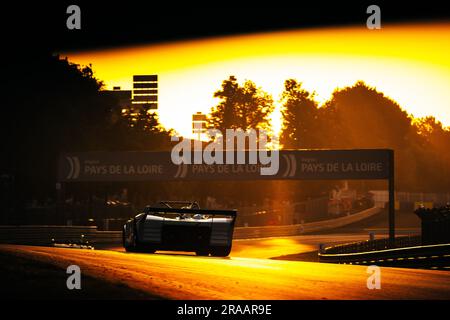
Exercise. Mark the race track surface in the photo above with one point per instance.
(178, 276)
(266, 248)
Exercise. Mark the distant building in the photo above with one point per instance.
(198, 124)
(145, 92)
(130, 103)
(122, 96)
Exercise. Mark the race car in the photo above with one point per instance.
(180, 226)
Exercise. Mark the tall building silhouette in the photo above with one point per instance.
(145, 92)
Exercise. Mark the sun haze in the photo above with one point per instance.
(407, 62)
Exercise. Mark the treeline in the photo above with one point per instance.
(354, 117)
(53, 106)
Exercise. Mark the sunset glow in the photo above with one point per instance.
(409, 63)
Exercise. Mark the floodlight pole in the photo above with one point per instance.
(391, 199)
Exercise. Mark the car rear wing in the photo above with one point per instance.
(214, 215)
(179, 204)
(231, 213)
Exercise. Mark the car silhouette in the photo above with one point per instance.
(180, 226)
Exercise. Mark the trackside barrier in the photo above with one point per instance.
(374, 245)
(44, 235)
(428, 256)
(297, 229)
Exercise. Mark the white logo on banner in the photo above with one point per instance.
(74, 170)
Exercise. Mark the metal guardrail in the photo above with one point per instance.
(429, 256)
(46, 235)
(374, 245)
(431, 249)
(297, 229)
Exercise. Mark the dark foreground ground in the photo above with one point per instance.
(24, 278)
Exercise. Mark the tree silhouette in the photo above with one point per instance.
(244, 107)
(434, 139)
(300, 117)
(56, 106)
(139, 130)
(366, 118)
(359, 116)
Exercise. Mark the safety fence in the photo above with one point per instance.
(408, 201)
(297, 229)
(428, 256)
(46, 235)
(374, 245)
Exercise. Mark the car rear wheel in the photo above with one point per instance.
(150, 249)
(202, 253)
(128, 246)
(220, 251)
(132, 246)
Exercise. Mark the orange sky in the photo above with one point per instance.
(408, 62)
